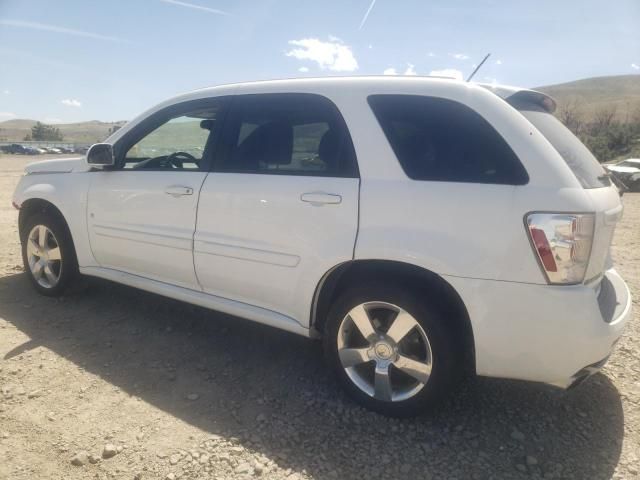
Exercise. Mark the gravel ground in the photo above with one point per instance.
(112, 382)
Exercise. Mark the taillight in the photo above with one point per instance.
(562, 243)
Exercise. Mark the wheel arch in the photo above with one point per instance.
(434, 287)
(35, 205)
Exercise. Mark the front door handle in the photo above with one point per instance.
(178, 191)
(321, 198)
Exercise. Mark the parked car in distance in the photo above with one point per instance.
(423, 228)
(14, 149)
(29, 150)
(628, 172)
(52, 150)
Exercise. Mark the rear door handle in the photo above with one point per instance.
(178, 191)
(320, 198)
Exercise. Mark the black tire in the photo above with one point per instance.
(447, 354)
(68, 269)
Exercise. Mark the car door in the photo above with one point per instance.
(142, 213)
(280, 207)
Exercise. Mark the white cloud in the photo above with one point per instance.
(196, 7)
(498, 62)
(303, 69)
(6, 92)
(431, 54)
(370, 46)
(71, 102)
(56, 29)
(447, 72)
(366, 15)
(6, 115)
(333, 55)
(491, 80)
(459, 56)
(635, 66)
(410, 69)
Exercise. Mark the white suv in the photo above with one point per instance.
(422, 227)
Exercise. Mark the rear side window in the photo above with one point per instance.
(287, 134)
(443, 140)
(580, 160)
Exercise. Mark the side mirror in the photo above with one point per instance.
(101, 155)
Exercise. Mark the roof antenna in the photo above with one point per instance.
(478, 67)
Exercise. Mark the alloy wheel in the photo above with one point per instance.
(43, 256)
(384, 351)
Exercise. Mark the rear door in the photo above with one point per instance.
(280, 207)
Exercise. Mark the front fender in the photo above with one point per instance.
(68, 193)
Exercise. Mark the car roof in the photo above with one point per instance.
(389, 84)
(343, 81)
(373, 82)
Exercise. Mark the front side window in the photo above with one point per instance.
(174, 140)
(442, 140)
(287, 134)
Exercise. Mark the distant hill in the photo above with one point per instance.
(593, 94)
(83, 132)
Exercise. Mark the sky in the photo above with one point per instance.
(76, 60)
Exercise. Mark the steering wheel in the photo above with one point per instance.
(177, 159)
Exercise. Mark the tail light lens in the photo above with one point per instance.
(562, 243)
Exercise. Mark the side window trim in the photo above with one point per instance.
(157, 119)
(232, 124)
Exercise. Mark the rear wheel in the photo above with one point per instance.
(48, 254)
(390, 350)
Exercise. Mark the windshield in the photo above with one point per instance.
(580, 160)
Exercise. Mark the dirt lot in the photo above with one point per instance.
(167, 390)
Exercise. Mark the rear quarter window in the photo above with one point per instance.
(442, 140)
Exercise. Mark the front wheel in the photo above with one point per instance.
(48, 254)
(390, 350)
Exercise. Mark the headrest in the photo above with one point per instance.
(207, 124)
(329, 149)
(271, 143)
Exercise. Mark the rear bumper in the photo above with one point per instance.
(586, 372)
(544, 333)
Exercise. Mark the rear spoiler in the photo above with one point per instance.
(518, 96)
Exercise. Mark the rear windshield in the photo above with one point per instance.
(580, 160)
